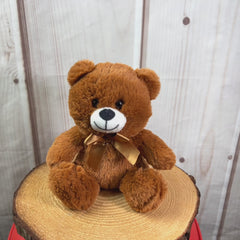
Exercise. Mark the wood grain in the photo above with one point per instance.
(110, 217)
(59, 34)
(198, 107)
(17, 155)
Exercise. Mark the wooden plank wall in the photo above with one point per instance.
(193, 46)
(198, 110)
(16, 148)
(56, 35)
(230, 228)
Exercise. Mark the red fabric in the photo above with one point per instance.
(13, 235)
(195, 233)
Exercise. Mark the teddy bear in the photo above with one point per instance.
(109, 148)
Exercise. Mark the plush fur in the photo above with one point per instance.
(71, 178)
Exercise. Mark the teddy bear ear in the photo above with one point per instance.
(78, 70)
(151, 79)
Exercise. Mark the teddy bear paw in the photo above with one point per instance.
(75, 188)
(143, 189)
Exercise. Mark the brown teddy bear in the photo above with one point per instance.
(109, 147)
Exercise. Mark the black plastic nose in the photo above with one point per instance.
(107, 114)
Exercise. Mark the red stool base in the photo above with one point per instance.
(13, 235)
(195, 233)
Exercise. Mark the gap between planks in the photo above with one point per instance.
(28, 78)
(144, 35)
(229, 188)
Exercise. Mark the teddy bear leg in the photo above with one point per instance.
(143, 189)
(73, 186)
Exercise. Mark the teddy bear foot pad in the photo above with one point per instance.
(38, 214)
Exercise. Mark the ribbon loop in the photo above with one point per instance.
(127, 149)
(96, 146)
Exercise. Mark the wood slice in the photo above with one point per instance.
(38, 214)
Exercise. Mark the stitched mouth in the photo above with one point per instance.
(106, 129)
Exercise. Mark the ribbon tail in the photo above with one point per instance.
(94, 155)
(129, 151)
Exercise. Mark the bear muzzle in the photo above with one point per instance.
(107, 120)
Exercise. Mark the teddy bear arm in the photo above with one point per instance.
(155, 150)
(65, 147)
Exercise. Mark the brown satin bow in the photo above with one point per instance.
(95, 147)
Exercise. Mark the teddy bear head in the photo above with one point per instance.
(110, 98)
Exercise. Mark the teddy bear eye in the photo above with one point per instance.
(119, 104)
(95, 102)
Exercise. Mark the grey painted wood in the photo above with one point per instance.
(198, 107)
(58, 35)
(230, 228)
(16, 148)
